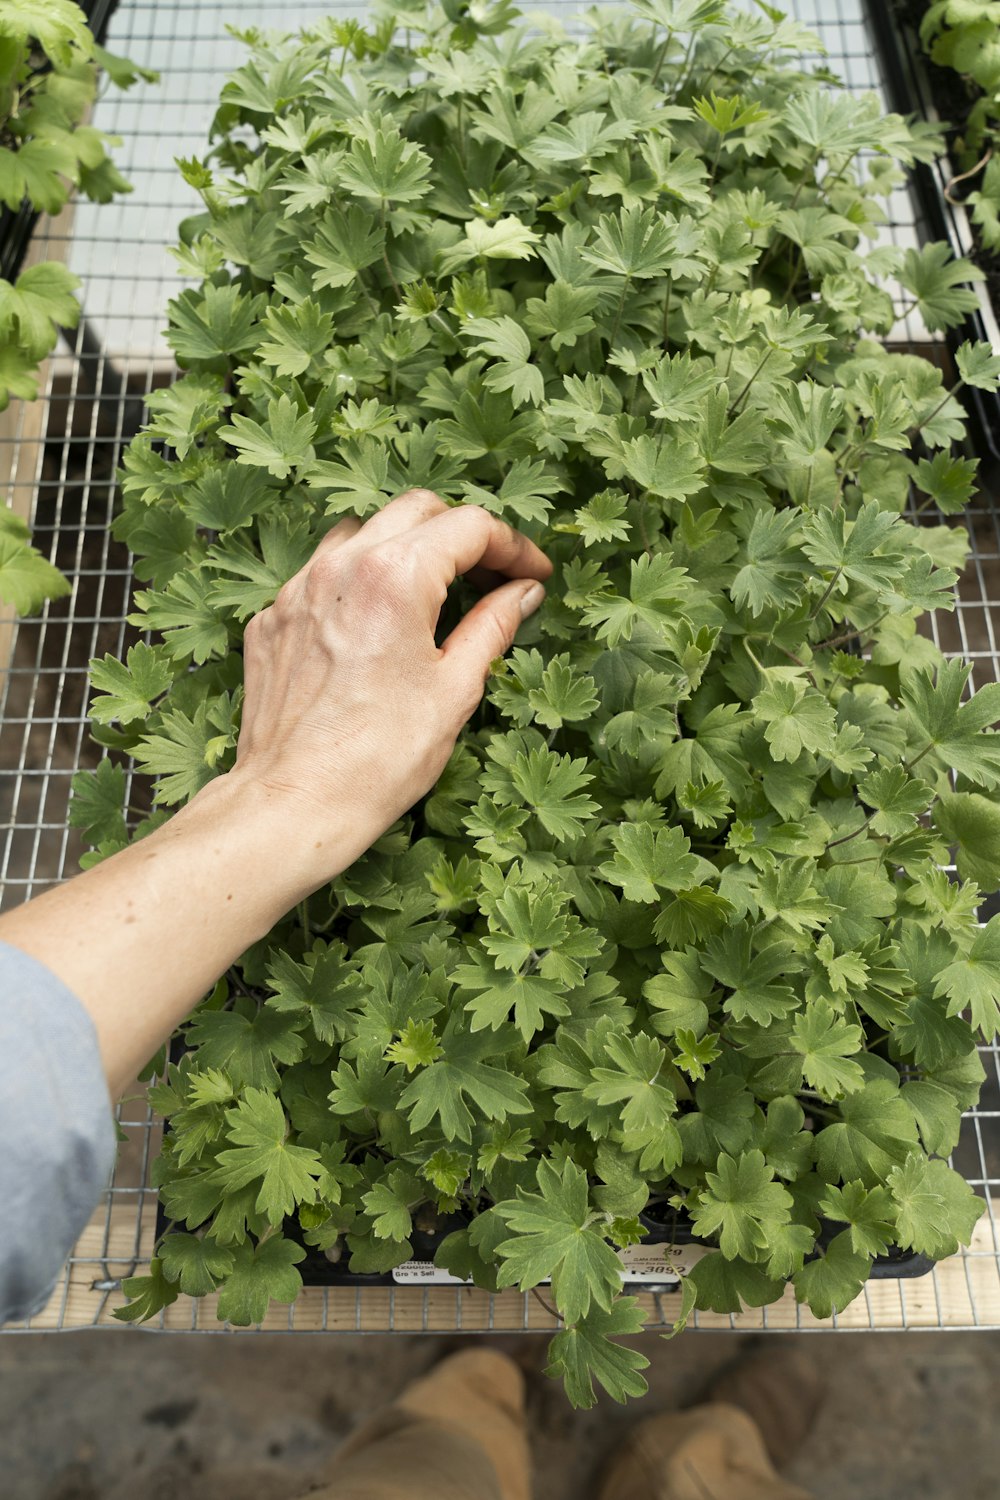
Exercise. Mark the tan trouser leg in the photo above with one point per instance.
(457, 1434)
(712, 1452)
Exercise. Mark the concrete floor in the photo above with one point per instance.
(134, 1416)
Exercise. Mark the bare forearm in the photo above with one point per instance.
(142, 937)
(350, 714)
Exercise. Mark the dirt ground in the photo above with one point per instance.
(143, 1416)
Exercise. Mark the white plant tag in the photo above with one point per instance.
(425, 1273)
(657, 1264)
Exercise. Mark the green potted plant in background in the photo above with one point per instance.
(672, 932)
(965, 38)
(49, 66)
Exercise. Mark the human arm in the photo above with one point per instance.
(351, 712)
(57, 1132)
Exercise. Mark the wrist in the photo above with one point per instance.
(275, 836)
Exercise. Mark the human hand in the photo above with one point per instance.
(351, 709)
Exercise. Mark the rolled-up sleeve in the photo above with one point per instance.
(57, 1137)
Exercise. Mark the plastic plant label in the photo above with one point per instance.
(659, 1263)
(425, 1273)
(652, 1264)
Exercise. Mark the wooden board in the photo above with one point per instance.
(962, 1292)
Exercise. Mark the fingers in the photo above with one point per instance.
(335, 538)
(337, 535)
(406, 556)
(469, 537)
(403, 514)
(456, 539)
(486, 632)
(483, 580)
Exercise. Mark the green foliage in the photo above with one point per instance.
(965, 35)
(671, 926)
(49, 66)
(27, 578)
(556, 1239)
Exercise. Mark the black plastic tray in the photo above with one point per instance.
(908, 92)
(316, 1270)
(662, 1228)
(17, 225)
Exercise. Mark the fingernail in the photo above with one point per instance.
(531, 599)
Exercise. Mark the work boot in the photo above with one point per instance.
(716, 1450)
(481, 1392)
(457, 1431)
(777, 1384)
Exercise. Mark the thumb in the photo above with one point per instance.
(488, 631)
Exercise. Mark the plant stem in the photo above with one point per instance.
(661, 59)
(796, 273)
(825, 594)
(703, 86)
(851, 635)
(815, 1108)
(750, 652)
(461, 128)
(331, 919)
(772, 248)
(550, 1310)
(735, 403)
(769, 641)
(367, 294)
(618, 314)
(829, 182)
(926, 750)
(643, 532)
(964, 176)
(924, 421)
(436, 317)
(385, 260)
(684, 77)
(798, 662)
(846, 838)
(715, 160)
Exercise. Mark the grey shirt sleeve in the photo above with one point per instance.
(57, 1138)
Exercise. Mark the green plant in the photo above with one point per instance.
(671, 929)
(49, 66)
(965, 35)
